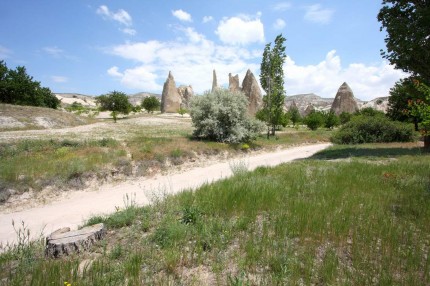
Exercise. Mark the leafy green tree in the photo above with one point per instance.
(17, 87)
(421, 109)
(369, 111)
(151, 104)
(331, 120)
(182, 111)
(116, 102)
(407, 23)
(400, 95)
(314, 120)
(272, 81)
(294, 115)
(222, 116)
(344, 117)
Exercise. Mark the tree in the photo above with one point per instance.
(331, 120)
(421, 109)
(151, 104)
(294, 115)
(314, 120)
(345, 117)
(17, 87)
(115, 101)
(400, 95)
(272, 81)
(222, 116)
(408, 42)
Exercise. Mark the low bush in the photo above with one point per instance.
(222, 116)
(373, 129)
(314, 120)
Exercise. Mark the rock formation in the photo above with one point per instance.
(186, 93)
(252, 91)
(214, 81)
(344, 100)
(293, 106)
(308, 110)
(170, 98)
(233, 83)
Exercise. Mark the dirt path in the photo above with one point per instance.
(80, 205)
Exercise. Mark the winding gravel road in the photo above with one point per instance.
(80, 205)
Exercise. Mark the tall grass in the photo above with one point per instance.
(361, 221)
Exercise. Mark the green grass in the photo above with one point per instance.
(68, 163)
(361, 221)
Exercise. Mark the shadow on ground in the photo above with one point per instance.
(342, 152)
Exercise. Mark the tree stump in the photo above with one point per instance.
(65, 242)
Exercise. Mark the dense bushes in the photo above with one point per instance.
(17, 87)
(373, 129)
(222, 116)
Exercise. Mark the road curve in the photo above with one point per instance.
(80, 205)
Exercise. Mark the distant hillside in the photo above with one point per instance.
(16, 117)
(324, 104)
(89, 101)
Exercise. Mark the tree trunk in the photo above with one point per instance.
(427, 142)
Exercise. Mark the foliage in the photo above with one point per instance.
(421, 109)
(373, 129)
(222, 116)
(331, 120)
(151, 104)
(369, 111)
(408, 45)
(19, 88)
(182, 111)
(115, 101)
(401, 94)
(272, 81)
(294, 115)
(344, 117)
(314, 120)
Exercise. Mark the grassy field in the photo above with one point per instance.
(128, 150)
(350, 215)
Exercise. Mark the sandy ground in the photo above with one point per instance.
(78, 206)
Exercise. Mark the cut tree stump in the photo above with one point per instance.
(65, 242)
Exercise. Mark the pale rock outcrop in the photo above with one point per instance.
(233, 83)
(214, 81)
(170, 98)
(252, 91)
(186, 93)
(308, 110)
(344, 100)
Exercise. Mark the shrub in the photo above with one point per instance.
(345, 117)
(373, 129)
(222, 116)
(331, 120)
(151, 104)
(314, 120)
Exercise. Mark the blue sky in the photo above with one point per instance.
(94, 47)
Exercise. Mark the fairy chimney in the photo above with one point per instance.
(252, 91)
(170, 98)
(233, 83)
(214, 81)
(344, 100)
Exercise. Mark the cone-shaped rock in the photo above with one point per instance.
(308, 110)
(170, 98)
(233, 83)
(252, 91)
(214, 81)
(344, 100)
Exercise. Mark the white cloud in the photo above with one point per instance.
(207, 19)
(54, 51)
(182, 15)
(129, 31)
(121, 16)
(282, 6)
(191, 61)
(241, 30)
(4, 52)
(316, 14)
(59, 79)
(325, 78)
(279, 24)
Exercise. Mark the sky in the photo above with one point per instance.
(95, 47)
